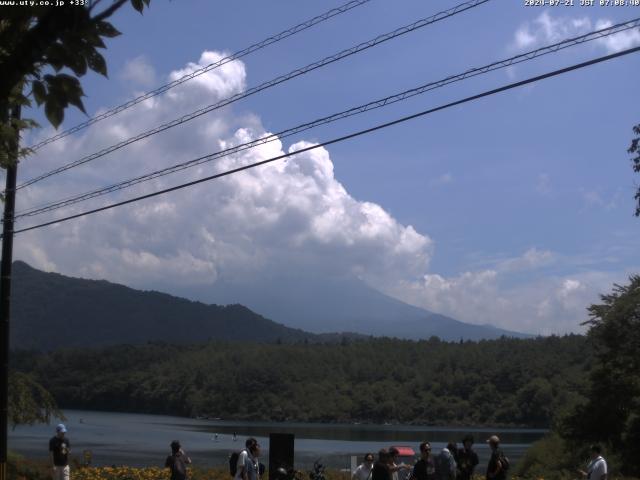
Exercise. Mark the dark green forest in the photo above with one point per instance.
(94, 313)
(493, 382)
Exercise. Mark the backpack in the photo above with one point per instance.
(504, 461)
(177, 465)
(445, 466)
(233, 463)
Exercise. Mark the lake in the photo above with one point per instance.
(143, 440)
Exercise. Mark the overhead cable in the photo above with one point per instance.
(339, 139)
(223, 61)
(271, 83)
(527, 56)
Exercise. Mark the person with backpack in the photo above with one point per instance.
(498, 463)
(453, 448)
(467, 459)
(597, 467)
(244, 465)
(446, 467)
(177, 462)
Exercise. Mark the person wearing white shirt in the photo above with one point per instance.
(248, 467)
(363, 472)
(597, 467)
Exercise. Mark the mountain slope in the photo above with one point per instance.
(50, 310)
(341, 304)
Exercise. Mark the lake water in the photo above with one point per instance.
(143, 440)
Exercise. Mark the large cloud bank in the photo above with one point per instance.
(286, 215)
(278, 219)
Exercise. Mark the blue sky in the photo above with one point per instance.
(523, 201)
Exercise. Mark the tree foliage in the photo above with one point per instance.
(611, 413)
(498, 382)
(29, 402)
(634, 149)
(44, 50)
(548, 459)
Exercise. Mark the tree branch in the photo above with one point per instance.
(109, 11)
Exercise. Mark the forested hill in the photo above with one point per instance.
(493, 382)
(50, 311)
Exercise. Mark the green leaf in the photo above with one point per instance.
(138, 5)
(68, 84)
(106, 29)
(77, 63)
(56, 56)
(24, 124)
(69, 91)
(24, 152)
(93, 39)
(77, 102)
(96, 62)
(64, 90)
(39, 91)
(54, 111)
(20, 99)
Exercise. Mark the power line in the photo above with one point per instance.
(341, 139)
(271, 83)
(234, 56)
(527, 56)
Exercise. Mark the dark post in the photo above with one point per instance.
(281, 451)
(5, 290)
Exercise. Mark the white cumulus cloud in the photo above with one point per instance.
(282, 216)
(544, 304)
(139, 72)
(440, 180)
(548, 29)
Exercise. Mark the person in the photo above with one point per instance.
(495, 470)
(453, 448)
(597, 467)
(59, 449)
(425, 468)
(177, 462)
(467, 459)
(363, 472)
(380, 470)
(248, 466)
(446, 465)
(394, 468)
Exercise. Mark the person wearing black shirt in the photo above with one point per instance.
(177, 462)
(495, 470)
(425, 468)
(59, 448)
(467, 459)
(380, 470)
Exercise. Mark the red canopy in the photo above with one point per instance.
(405, 451)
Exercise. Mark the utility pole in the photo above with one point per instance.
(5, 286)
